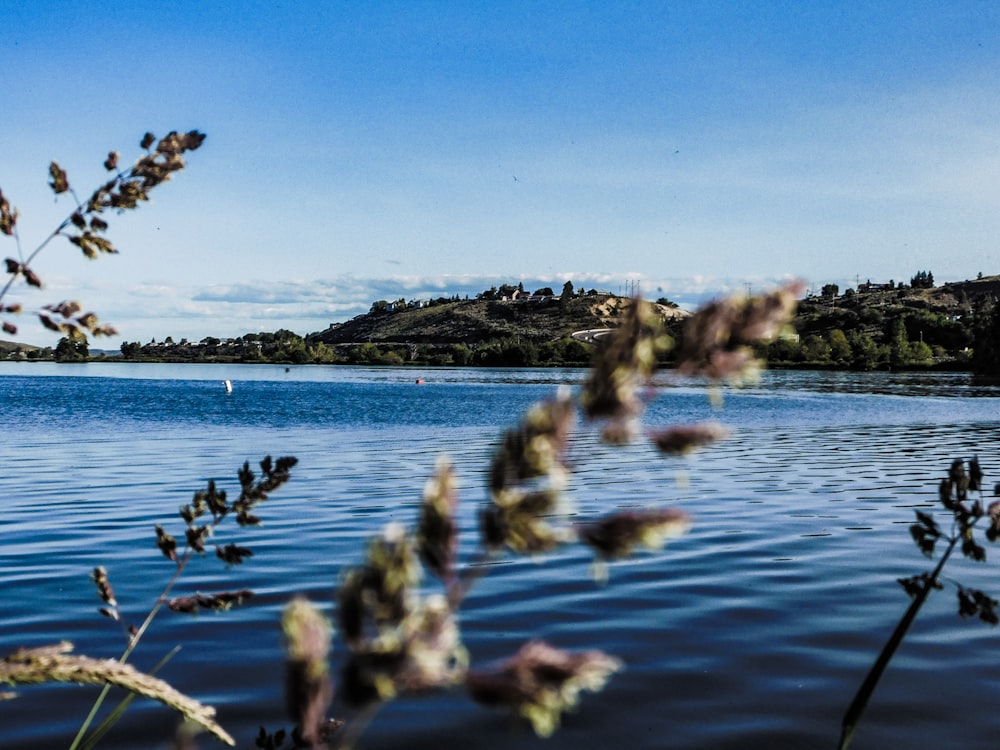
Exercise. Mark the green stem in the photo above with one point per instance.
(860, 702)
(133, 642)
(112, 718)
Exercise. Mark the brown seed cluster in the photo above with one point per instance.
(717, 340)
(541, 682)
(86, 227)
(400, 642)
(527, 477)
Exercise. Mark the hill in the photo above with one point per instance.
(537, 319)
(889, 325)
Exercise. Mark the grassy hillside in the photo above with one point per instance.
(477, 321)
(890, 328)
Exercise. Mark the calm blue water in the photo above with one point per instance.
(752, 631)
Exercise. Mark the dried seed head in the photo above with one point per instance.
(627, 360)
(59, 184)
(166, 543)
(527, 478)
(541, 682)
(617, 535)
(377, 595)
(8, 220)
(104, 590)
(222, 600)
(993, 510)
(975, 475)
(232, 554)
(434, 655)
(437, 533)
(681, 440)
(537, 447)
(308, 690)
(717, 338)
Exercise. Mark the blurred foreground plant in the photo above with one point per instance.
(961, 495)
(403, 637)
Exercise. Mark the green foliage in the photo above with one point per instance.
(841, 352)
(71, 349)
(784, 351)
(986, 349)
(508, 352)
(866, 353)
(461, 354)
(816, 349)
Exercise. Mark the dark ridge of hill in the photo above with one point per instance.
(477, 321)
(986, 285)
(941, 317)
(13, 346)
(952, 299)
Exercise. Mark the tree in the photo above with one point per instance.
(567, 292)
(899, 344)
(830, 291)
(840, 347)
(867, 354)
(921, 353)
(71, 349)
(986, 341)
(131, 349)
(322, 354)
(461, 354)
(784, 350)
(816, 349)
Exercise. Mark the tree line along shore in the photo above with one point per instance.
(916, 325)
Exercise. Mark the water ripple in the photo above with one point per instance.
(754, 630)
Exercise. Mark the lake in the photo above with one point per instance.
(752, 631)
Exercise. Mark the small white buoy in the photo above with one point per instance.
(229, 385)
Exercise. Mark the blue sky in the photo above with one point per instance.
(366, 150)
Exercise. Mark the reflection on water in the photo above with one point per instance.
(752, 631)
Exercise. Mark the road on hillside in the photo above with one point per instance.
(591, 335)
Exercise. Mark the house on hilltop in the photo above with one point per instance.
(868, 286)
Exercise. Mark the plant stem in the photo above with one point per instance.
(133, 642)
(860, 702)
(112, 718)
